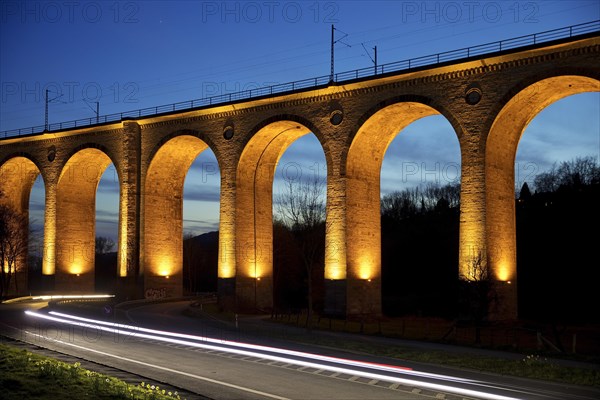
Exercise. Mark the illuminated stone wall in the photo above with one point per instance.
(71, 164)
(254, 208)
(76, 219)
(488, 103)
(163, 211)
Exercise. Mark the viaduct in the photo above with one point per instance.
(488, 95)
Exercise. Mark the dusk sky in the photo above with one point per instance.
(134, 54)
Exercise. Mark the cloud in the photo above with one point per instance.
(103, 213)
(425, 151)
(35, 205)
(205, 169)
(108, 186)
(202, 193)
(561, 132)
(200, 226)
(107, 223)
(303, 159)
(306, 147)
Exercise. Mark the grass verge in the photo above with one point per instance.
(24, 375)
(531, 366)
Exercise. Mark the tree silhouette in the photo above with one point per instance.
(418, 200)
(477, 294)
(577, 172)
(525, 193)
(555, 251)
(104, 244)
(420, 280)
(13, 247)
(190, 254)
(300, 208)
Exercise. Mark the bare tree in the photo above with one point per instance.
(104, 244)
(300, 206)
(478, 295)
(579, 171)
(400, 205)
(13, 247)
(409, 202)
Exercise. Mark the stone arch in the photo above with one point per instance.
(207, 139)
(254, 211)
(18, 173)
(300, 121)
(517, 91)
(500, 152)
(437, 109)
(162, 249)
(363, 219)
(75, 226)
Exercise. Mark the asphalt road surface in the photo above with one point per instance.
(215, 360)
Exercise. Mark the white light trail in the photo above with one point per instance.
(161, 336)
(382, 367)
(60, 297)
(160, 367)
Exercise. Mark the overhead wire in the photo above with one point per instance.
(167, 86)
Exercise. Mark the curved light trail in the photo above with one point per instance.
(388, 373)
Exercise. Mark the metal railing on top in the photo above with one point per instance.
(341, 77)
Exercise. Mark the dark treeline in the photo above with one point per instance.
(414, 222)
(200, 259)
(419, 250)
(557, 250)
(420, 200)
(290, 270)
(557, 243)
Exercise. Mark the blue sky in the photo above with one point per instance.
(133, 54)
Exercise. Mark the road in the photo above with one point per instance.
(210, 359)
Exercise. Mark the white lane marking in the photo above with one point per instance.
(202, 378)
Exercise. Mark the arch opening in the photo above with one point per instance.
(201, 225)
(557, 189)
(35, 257)
(254, 211)
(500, 157)
(108, 265)
(420, 203)
(76, 220)
(162, 250)
(299, 231)
(363, 172)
